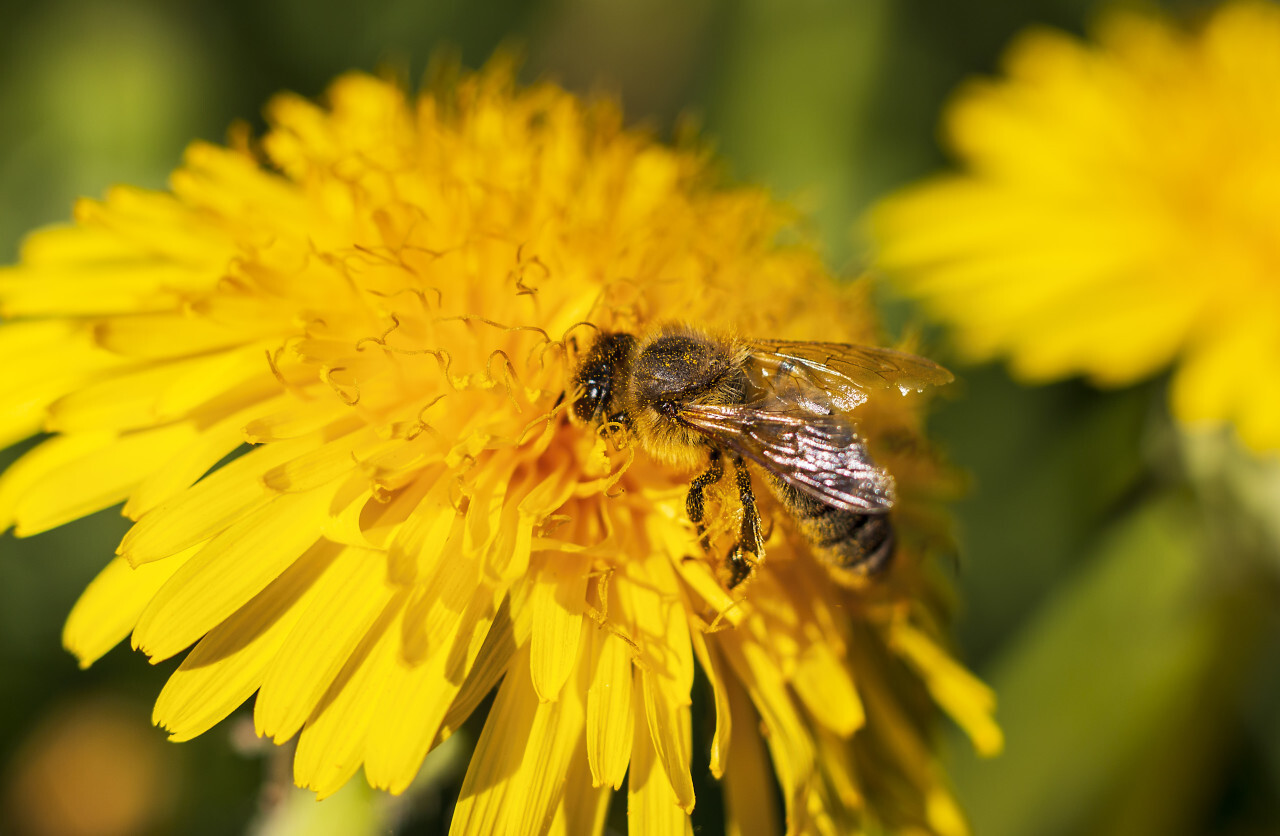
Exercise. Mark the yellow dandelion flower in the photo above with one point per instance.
(1117, 213)
(385, 304)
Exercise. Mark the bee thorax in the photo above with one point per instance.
(676, 367)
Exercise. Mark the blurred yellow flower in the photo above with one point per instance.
(384, 302)
(1118, 212)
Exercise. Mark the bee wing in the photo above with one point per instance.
(845, 372)
(819, 454)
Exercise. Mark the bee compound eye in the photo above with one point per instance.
(586, 406)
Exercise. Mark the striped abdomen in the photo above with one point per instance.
(851, 541)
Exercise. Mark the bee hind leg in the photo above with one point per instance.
(750, 537)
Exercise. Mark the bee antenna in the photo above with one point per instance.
(566, 338)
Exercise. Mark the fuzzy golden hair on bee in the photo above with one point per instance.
(674, 366)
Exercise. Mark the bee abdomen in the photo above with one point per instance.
(862, 543)
(851, 541)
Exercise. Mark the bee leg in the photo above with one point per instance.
(740, 566)
(695, 502)
(750, 538)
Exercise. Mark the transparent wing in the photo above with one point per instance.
(844, 372)
(820, 455)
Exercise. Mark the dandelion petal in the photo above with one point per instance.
(557, 600)
(208, 507)
(346, 602)
(609, 711)
(492, 783)
(228, 665)
(748, 776)
(38, 462)
(652, 805)
(417, 697)
(789, 741)
(109, 607)
(724, 717)
(228, 572)
(331, 746)
(822, 682)
(967, 700)
(667, 711)
(97, 480)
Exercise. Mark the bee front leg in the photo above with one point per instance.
(695, 503)
(750, 538)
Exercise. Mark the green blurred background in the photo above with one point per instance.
(1117, 580)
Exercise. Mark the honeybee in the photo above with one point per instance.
(691, 398)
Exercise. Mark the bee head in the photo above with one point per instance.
(599, 378)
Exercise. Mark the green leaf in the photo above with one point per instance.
(1110, 667)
